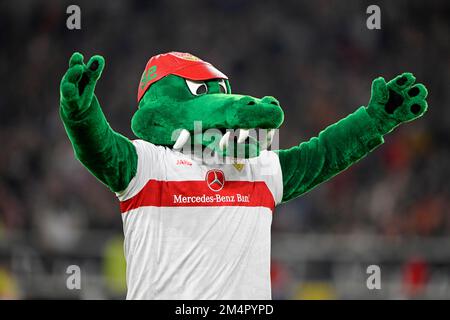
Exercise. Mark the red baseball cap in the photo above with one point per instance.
(181, 64)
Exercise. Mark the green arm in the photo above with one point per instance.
(349, 140)
(335, 149)
(109, 156)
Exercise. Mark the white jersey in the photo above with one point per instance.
(198, 231)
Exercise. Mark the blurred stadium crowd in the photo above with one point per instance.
(317, 57)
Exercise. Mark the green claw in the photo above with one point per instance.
(95, 66)
(418, 90)
(77, 58)
(402, 81)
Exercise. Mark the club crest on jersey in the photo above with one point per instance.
(238, 166)
(215, 179)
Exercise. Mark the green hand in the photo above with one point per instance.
(395, 102)
(78, 84)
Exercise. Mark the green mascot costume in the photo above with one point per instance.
(197, 228)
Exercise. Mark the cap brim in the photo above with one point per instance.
(199, 71)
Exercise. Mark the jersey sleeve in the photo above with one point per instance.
(148, 167)
(269, 171)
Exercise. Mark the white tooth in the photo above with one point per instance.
(270, 135)
(243, 134)
(182, 139)
(224, 141)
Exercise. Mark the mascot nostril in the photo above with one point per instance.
(246, 101)
(178, 209)
(270, 100)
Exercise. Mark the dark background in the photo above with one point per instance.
(317, 57)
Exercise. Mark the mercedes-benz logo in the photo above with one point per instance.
(215, 179)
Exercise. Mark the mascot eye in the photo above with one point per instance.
(197, 88)
(222, 86)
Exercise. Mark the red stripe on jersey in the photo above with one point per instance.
(197, 194)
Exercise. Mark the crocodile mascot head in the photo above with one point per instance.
(186, 102)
